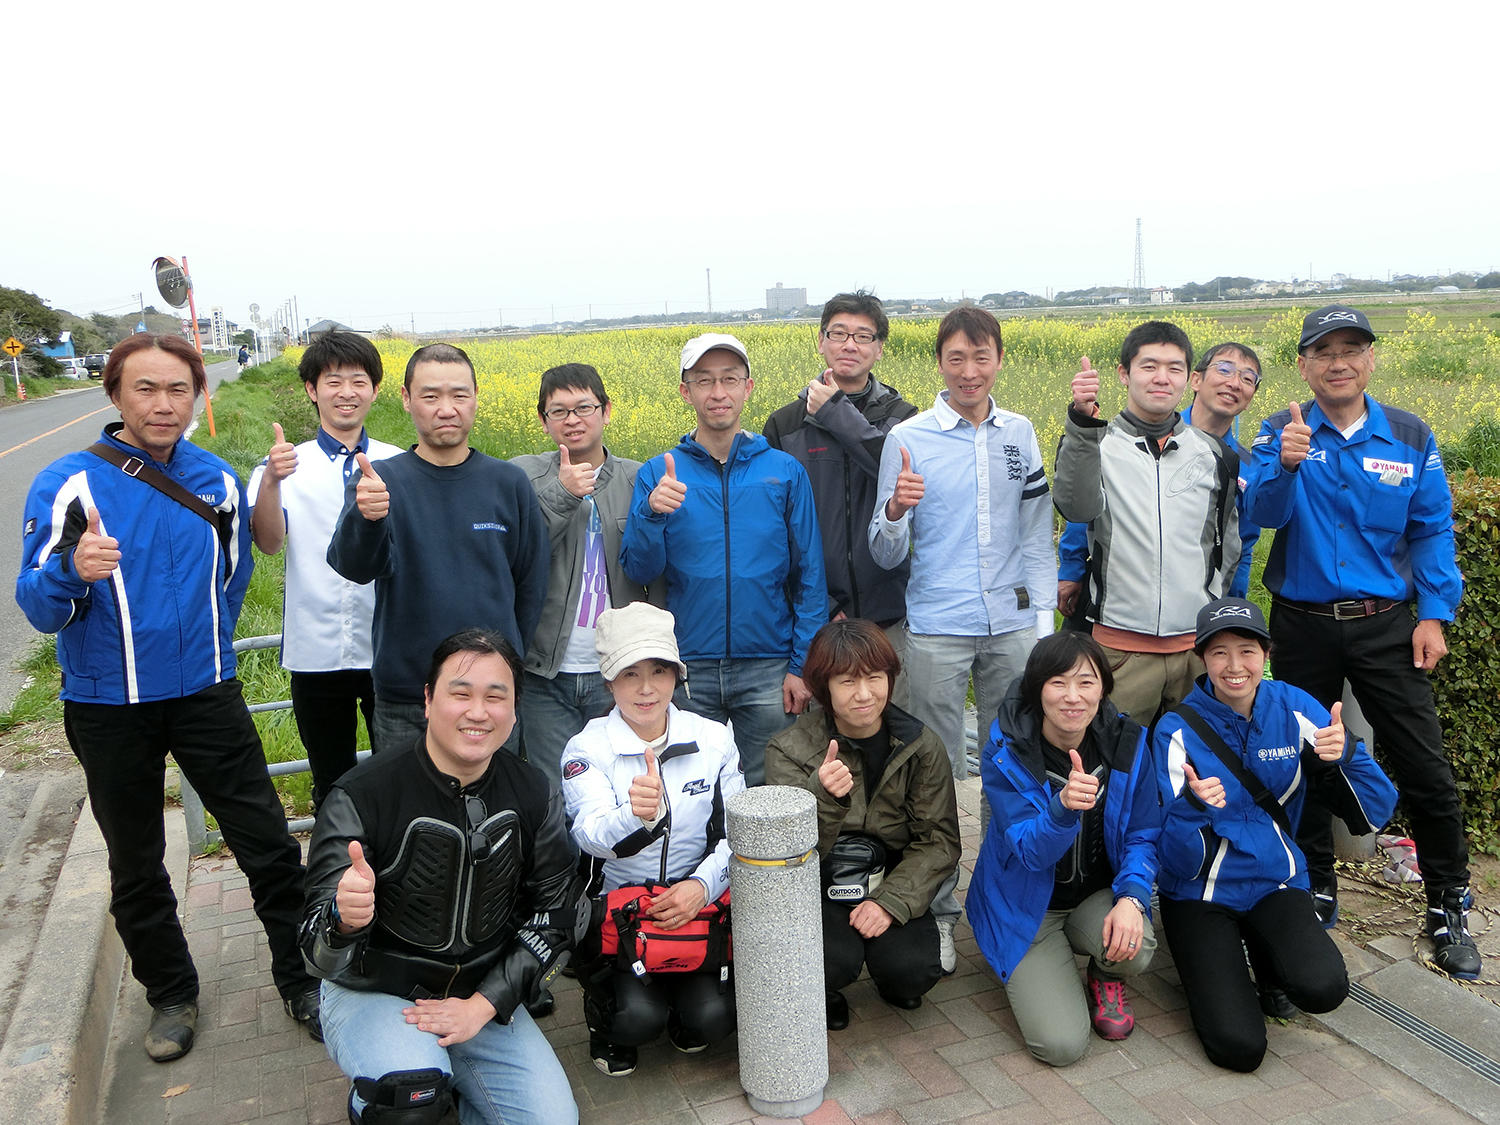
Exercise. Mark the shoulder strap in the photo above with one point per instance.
(135, 467)
(1248, 781)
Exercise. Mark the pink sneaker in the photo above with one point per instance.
(1112, 1018)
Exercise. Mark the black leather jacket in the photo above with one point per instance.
(474, 885)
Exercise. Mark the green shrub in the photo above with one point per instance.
(1467, 680)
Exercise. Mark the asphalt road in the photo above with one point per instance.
(33, 434)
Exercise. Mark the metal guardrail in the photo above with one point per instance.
(200, 836)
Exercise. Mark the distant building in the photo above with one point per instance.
(784, 300)
(1162, 296)
(1445, 289)
(323, 327)
(60, 348)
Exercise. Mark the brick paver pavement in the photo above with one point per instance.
(957, 1058)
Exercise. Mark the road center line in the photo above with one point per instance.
(55, 429)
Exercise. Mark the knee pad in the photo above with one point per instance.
(402, 1097)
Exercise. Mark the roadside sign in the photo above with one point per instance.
(13, 347)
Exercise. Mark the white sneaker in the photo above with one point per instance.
(947, 953)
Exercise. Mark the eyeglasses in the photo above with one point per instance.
(479, 843)
(838, 336)
(581, 411)
(1246, 375)
(1348, 355)
(728, 382)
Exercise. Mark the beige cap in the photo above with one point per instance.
(634, 632)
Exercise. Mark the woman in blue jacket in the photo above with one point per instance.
(1070, 852)
(1234, 762)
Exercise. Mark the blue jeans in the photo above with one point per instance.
(746, 693)
(505, 1075)
(937, 671)
(553, 711)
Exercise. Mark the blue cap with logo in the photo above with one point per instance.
(1330, 318)
(1231, 613)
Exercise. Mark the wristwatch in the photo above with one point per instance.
(1135, 902)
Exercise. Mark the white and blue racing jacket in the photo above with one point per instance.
(162, 625)
(1238, 854)
(1369, 516)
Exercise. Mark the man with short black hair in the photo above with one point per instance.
(963, 494)
(1363, 573)
(584, 492)
(450, 537)
(441, 899)
(835, 428)
(297, 493)
(731, 523)
(1159, 498)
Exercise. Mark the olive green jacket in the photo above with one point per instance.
(913, 810)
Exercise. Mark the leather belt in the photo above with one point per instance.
(1350, 610)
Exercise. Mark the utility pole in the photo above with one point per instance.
(708, 277)
(1140, 262)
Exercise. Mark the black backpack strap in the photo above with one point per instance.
(135, 467)
(1248, 781)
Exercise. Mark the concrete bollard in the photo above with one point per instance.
(778, 949)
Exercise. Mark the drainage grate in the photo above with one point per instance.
(1462, 1053)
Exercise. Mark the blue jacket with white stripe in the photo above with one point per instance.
(1236, 855)
(162, 625)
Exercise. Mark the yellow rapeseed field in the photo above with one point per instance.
(1448, 375)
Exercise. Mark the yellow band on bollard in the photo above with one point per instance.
(794, 861)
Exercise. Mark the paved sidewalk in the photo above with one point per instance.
(957, 1058)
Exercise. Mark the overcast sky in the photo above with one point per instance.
(440, 163)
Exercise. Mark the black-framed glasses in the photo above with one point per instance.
(838, 336)
(479, 843)
(581, 411)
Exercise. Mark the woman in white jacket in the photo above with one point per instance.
(645, 788)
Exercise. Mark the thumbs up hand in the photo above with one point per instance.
(820, 390)
(97, 555)
(645, 791)
(833, 775)
(576, 477)
(1086, 390)
(669, 492)
(1082, 788)
(281, 461)
(910, 488)
(1296, 440)
(1209, 790)
(370, 494)
(355, 897)
(1329, 743)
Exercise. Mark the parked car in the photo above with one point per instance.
(94, 364)
(72, 367)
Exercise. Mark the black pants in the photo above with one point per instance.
(1318, 654)
(904, 961)
(1284, 937)
(632, 1011)
(326, 707)
(122, 750)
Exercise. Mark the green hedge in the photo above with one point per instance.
(1467, 680)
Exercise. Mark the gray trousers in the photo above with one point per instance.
(1045, 992)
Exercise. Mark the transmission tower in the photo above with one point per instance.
(1140, 262)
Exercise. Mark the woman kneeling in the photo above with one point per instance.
(885, 800)
(645, 787)
(1070, 852)
(1235, 761)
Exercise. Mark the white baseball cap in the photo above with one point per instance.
(699, 346)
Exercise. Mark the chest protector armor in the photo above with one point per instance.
(438, 896)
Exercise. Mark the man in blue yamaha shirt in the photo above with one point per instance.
(1364, 521)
